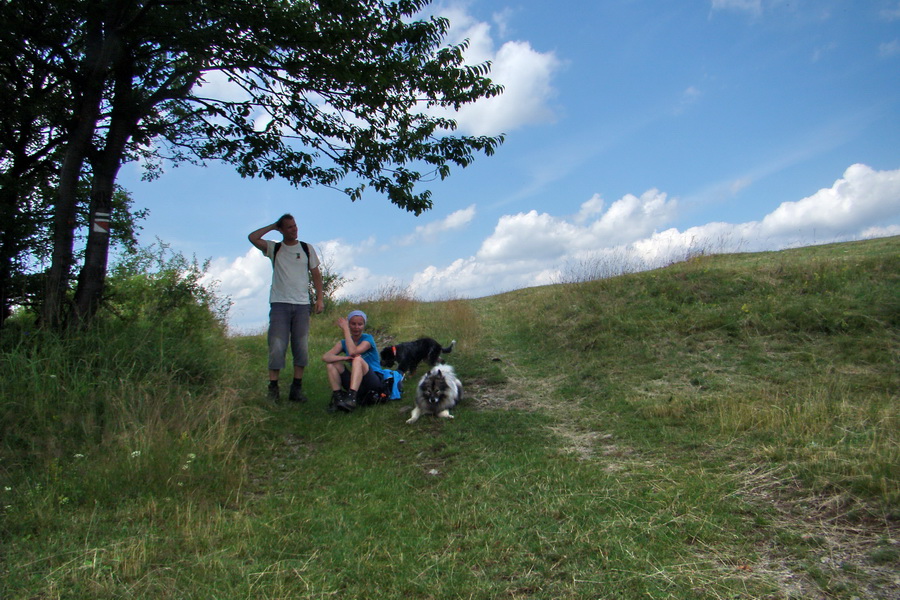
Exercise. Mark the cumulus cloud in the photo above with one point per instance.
(525, 73)
(534, 248)
(243, 277)
(528, 248)
(590, 209)
(859, 197)
(632, 233)
(246, 281)
(527, 236)
(632, 217)
(526, 77)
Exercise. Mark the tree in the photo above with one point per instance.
(333, 91)
(31, 134)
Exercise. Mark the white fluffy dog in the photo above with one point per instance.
(439, 390)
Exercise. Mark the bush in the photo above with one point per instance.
(151, 376)
(154, 283)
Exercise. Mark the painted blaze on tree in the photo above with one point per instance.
(347, 94)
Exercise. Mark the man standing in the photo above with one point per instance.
(292, 262)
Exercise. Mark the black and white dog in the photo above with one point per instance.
(410, 354)
(439, 390)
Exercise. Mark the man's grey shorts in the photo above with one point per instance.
(288, 322)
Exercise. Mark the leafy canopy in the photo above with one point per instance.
(321, 92)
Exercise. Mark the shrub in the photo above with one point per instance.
(150, 376)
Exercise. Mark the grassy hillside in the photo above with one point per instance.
(722, 428)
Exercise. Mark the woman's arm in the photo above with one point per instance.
(356, 349)
(335, 355)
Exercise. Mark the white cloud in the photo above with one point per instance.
(590, 208)
(456, 220)
(862, 196)
(246, 281)
(856, 206)
(501, 20)
(879, 232)
(527, 249)
(525, 73)
(822, 51)
(342, 256)
(632, 217)
(527, 236)
(533, 248)
(243, 277)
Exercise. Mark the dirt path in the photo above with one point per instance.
(855, 548)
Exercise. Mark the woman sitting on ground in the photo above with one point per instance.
(358, 349)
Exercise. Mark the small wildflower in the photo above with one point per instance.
(185, 466)
(192, 456)
(135, 454)
(7, 488)
(79, 456)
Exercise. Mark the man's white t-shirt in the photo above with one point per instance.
(290, 274)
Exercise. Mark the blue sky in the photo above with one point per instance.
(638, 131)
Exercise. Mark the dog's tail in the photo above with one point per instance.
(449, 348)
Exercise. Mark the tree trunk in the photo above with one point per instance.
(100, 55)
(10, 239)
(64, 229)
(8, 251)
(92, 279)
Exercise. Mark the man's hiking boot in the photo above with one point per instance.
(296, 394)
(273, 393)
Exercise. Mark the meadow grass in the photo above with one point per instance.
(726, 427)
